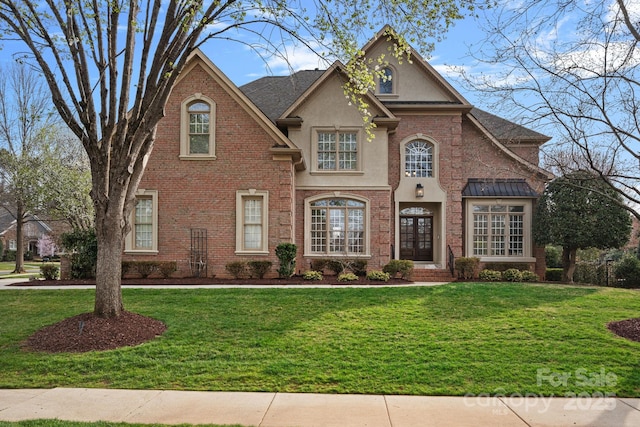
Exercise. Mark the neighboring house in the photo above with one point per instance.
(35, 231)
(236, 171)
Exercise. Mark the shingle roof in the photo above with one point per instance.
(479, 187)
(274, 94)
(505, 130)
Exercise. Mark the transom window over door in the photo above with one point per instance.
(199, 127)
(498, 230)
(337, 151)
(338, 226)
(418, 162)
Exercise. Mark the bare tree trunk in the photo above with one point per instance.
(109, 232)
(568, 264)
(19, 238)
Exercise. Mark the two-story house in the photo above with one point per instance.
(236, 171)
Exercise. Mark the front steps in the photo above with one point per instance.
(431, 273)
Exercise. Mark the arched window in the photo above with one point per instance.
(386, 81)
(337, 226)
(197, 138)
(418, 161)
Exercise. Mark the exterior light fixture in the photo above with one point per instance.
(419, 190)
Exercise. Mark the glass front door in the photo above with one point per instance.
(416, 238)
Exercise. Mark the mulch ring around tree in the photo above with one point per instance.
(629, 329)
(88, 332)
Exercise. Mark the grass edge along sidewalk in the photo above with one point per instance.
(458, 339)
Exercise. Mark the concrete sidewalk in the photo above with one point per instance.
(312, 410)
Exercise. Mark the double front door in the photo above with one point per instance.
(416, 237)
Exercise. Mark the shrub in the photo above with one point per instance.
(49, 271)
(378, 275)
(167, 268)
(84, 247)
(402, 266)
(627, 272)
(503, 266)
(467, 267)
(259, 268)
(490, 275)
(553, 256)
(336, 266)
(512, 275)
(125, 267)
(529, 276)
(10, 256)
(553, 274)
(347, 277)
(286, 253)
(358, 267)
(146, 268)
(312, 275)
(237, 269)
(319, 264)
(590, 272)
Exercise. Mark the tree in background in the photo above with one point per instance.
(27, 123)
(111, 65)
(574, 65)
(580, 211)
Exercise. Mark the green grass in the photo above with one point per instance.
(445, 340)
(32, 269)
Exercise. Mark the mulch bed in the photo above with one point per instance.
(87, 332)
(629, 328)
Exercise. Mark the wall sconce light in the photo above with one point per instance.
(419, 190)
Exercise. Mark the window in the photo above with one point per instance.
(385, 82)
(13, 245)
(498, 230)
(143, 237)
(418, 161)
(337, 226)
(337, 151)
(197, 138)
(252, 221)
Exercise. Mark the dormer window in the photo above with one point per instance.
(385, 83)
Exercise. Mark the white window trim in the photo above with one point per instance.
(129, 243)
(184, 129)
(240, 196)
(13, 245)
(307, 226)
(527, 255)
(314, 152)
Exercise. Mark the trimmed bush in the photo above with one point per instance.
(553, 274)
(512, 275)
(50, 271)
(167, 268)
(146, 268)
(467, 268)
(238, 269)
(259, 268)
(627, 272)
(503, 266)
(402, 266)
(529, 276)
(490, 275)
(286, 253)
(347, 277)
(378, 275)
(84, 248)
(312, 275)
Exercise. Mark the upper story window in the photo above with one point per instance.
(337, 151)
(385, 82)
(418, 162)
(197, 139)
(252, 222)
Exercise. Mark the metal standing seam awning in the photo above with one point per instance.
(498, 187)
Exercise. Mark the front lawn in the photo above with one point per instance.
(445, 340)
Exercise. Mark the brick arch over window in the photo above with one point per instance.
(337, 225)
(419, 157)
(197, 128)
